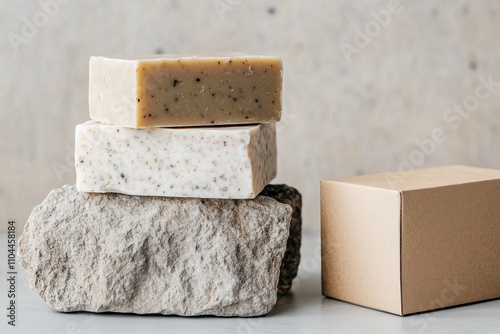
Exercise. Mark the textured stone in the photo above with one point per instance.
(290, 264)
(184, 256)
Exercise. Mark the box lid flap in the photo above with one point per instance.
(423, 178)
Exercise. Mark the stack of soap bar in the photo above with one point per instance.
(135, 149)
(166, 202)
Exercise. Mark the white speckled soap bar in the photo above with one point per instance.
(212, 162)
(173, 91)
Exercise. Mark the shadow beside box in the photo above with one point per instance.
(412, 242)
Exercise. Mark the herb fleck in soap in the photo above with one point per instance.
(173, 91)
(207, 162)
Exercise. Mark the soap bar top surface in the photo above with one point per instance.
(164, 90)
(208, 162)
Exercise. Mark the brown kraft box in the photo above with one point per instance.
(413, 241)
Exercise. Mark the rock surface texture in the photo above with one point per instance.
(184, 256)
(290, 264)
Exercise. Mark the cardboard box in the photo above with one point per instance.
(412, 242)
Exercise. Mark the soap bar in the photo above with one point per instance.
(173, 91)
(209, 162)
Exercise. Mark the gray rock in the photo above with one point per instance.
(290, 264)
(119, 253)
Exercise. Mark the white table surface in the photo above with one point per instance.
(303, 311)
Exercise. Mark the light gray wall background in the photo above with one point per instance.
(343, 115)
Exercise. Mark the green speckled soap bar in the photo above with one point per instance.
(175, 91)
